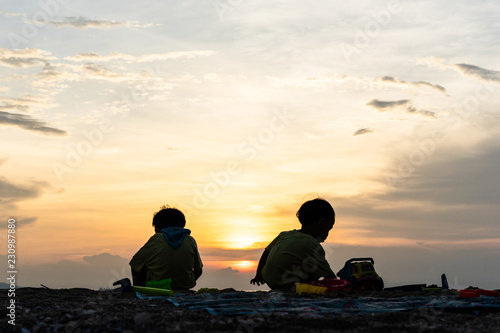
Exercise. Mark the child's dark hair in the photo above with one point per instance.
(168, 217)
(313, 210)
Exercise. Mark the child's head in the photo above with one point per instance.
(168, 217)
(317, 217)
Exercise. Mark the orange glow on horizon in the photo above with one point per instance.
(243, 266)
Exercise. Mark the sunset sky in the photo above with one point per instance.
(236, 112)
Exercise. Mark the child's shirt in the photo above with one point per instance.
(294, 257)
(174, 259)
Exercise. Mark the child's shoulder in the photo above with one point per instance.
(288, 234)
(190, 238)
(296, 235)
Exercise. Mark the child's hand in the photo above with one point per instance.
(258, 280)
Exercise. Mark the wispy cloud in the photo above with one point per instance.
(7, 14)
(362, 131)
(385, 105)
(464, 69)
(361, 82)
(22, 58)
(12, 193)
(20, 221)
(23, 103)
(478, 72)
(85, 23)
(144, 58)
(231, 254)
(28, 123)
(416, 84)
(404, 104)
(92, 70)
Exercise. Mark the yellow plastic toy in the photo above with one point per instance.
(309, 289)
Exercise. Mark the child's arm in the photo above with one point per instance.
(258, 279)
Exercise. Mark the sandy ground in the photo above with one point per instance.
(84, 310)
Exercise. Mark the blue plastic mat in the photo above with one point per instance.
(244, 303)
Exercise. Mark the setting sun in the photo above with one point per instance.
(241, 234)
(244, 265)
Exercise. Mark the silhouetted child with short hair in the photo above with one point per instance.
(297, 255)
(170, 253)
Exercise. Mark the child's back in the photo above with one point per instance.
(170, 253)
(297, 255)
(294, 257)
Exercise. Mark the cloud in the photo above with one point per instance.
(450, 197)
(11, 193)
(144, 58)
(85, 23)
(412, 109)
(478, 72)
(97, 271)
(81, 22)
(20, 220)
(362, 131)
(94, 71)
(405, 104)
(216, 254)
(464, 69)
(7, 14)
(417, 84)
(49, 73)
(227, 278)
(23, 103)
(361, 82)
(22, 58)
(383, 105)
(28, 123)
(105, 259)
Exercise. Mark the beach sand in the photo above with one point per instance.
(83, 310)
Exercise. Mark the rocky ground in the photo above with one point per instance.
(84, 310)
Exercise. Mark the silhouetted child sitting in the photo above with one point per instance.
(170, 253)
(297, 255)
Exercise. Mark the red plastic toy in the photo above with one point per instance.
(472, 293)
(333, 284)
